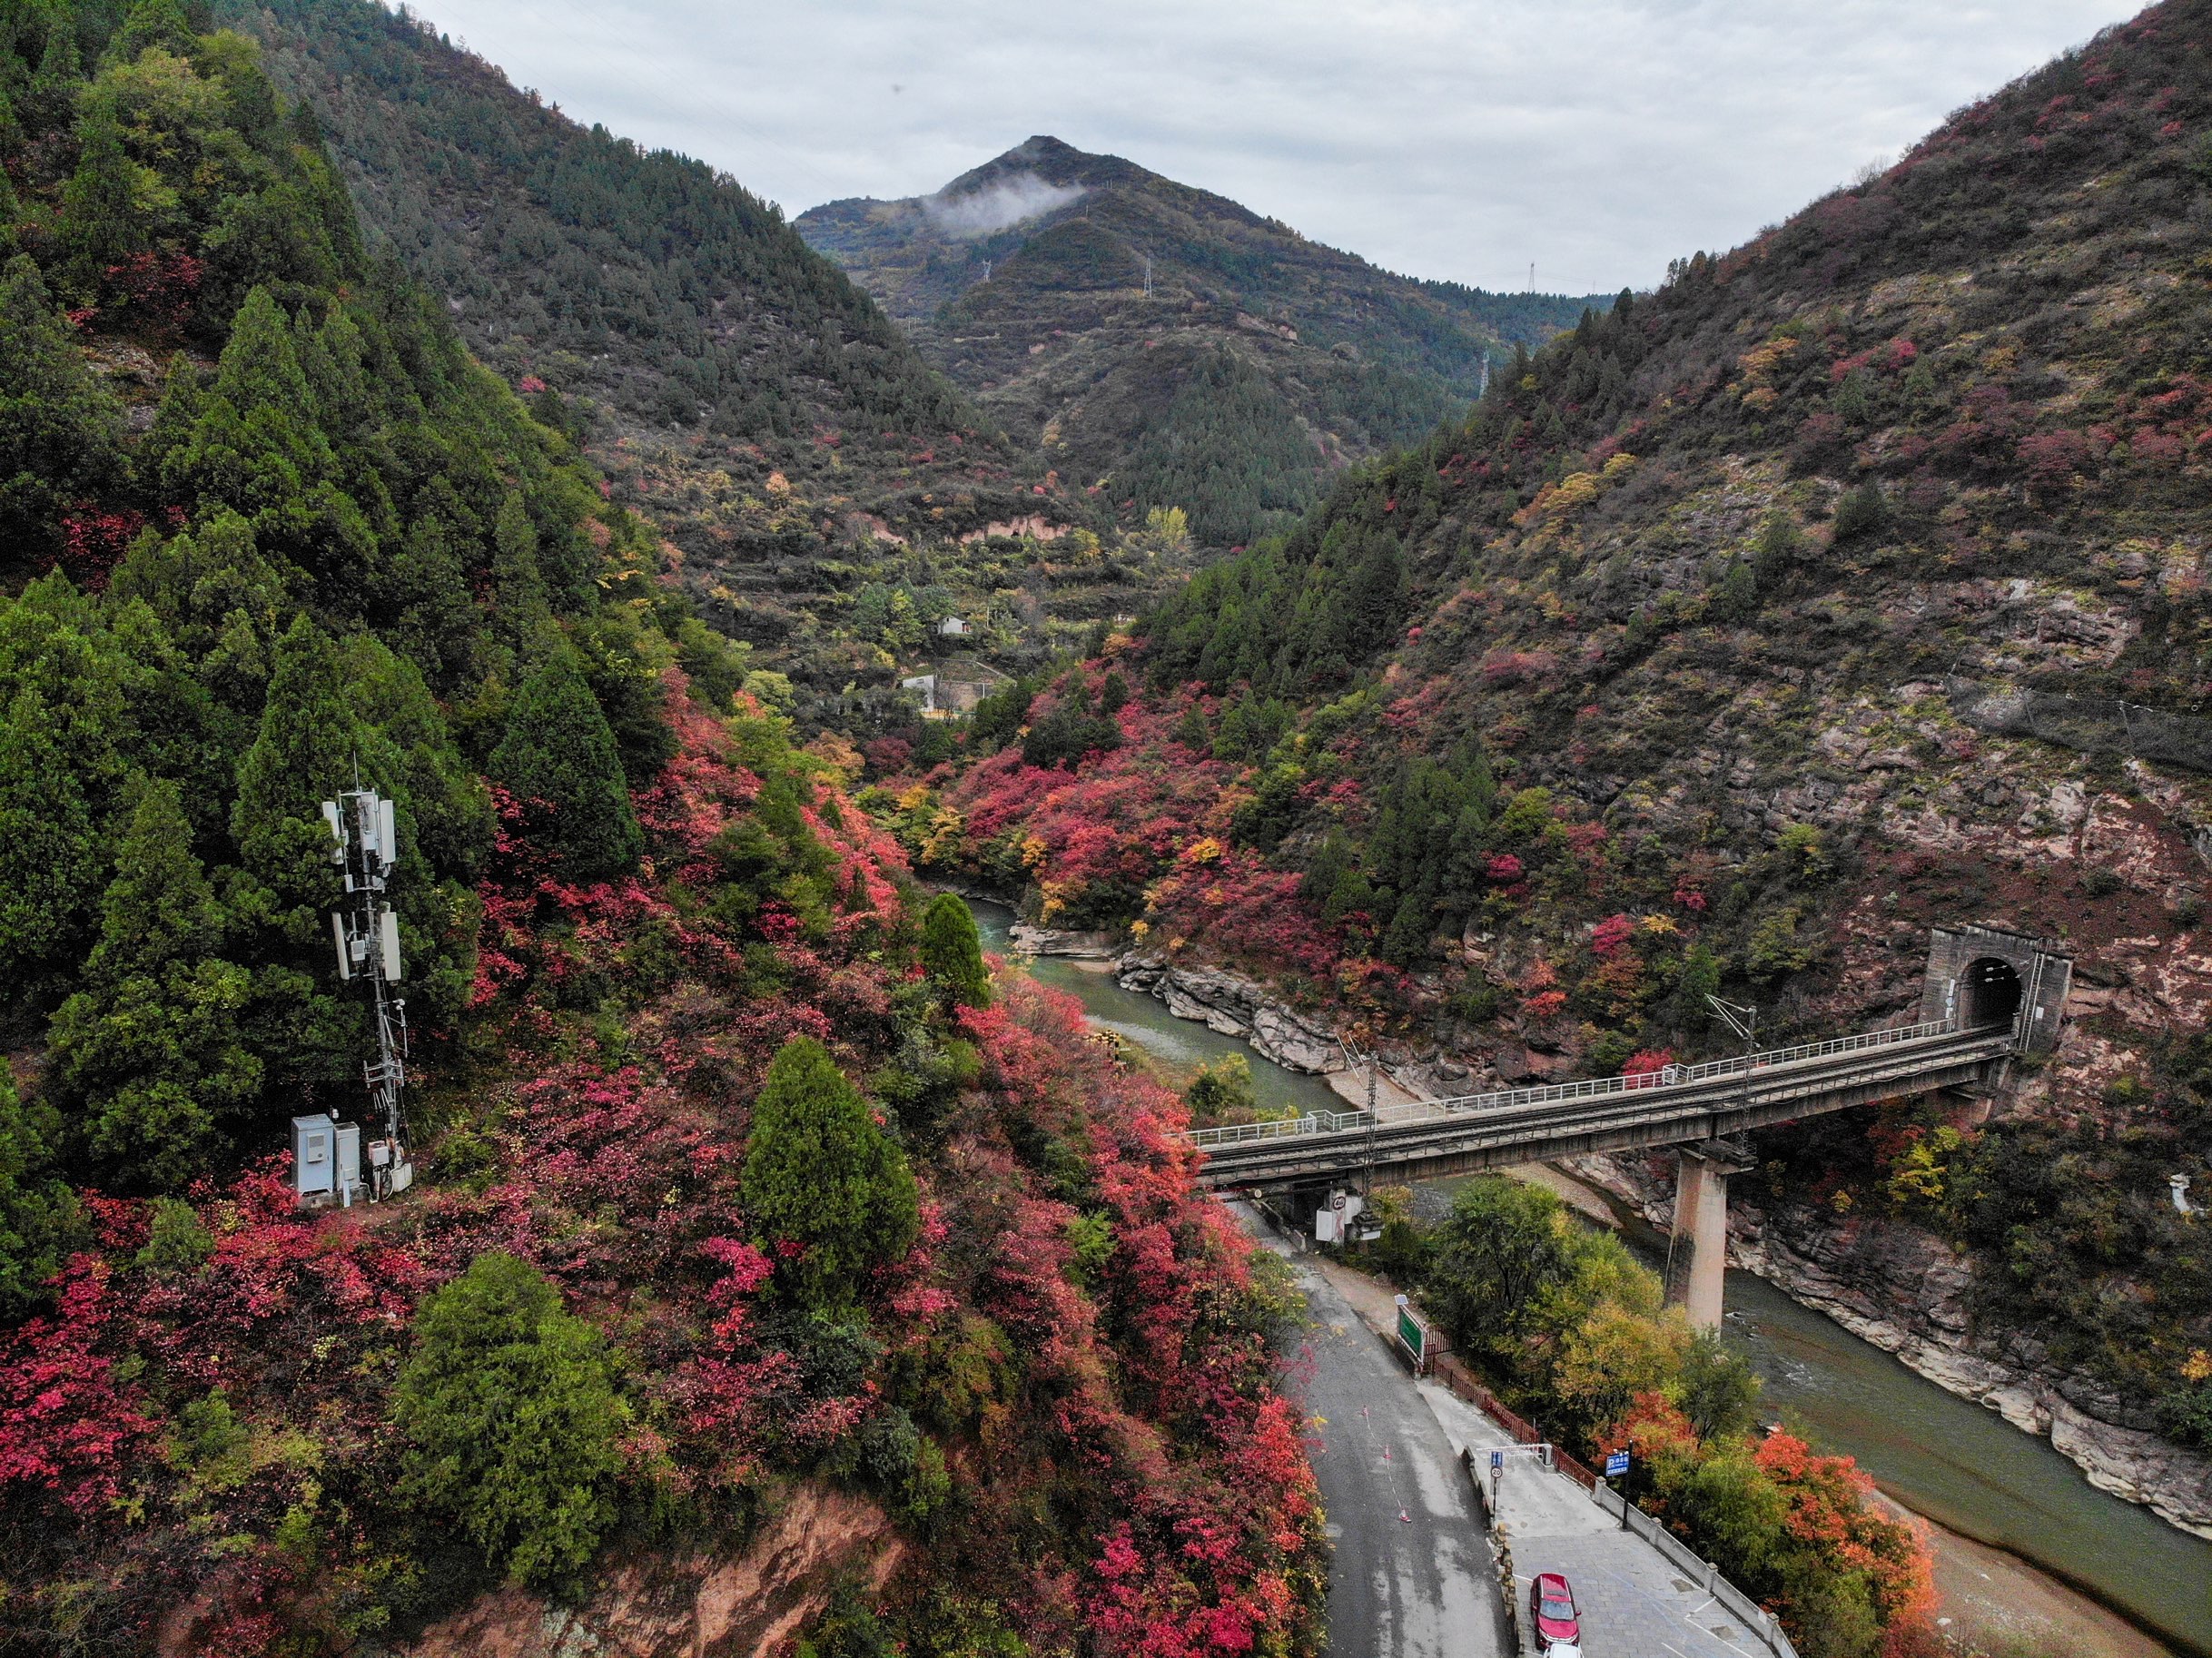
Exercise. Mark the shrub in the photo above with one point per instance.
(820, 1174)
(953, 954)
(1222, 1092)
(1862, 512)
(511, 1420)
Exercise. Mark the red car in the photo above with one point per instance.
(1551, 1614)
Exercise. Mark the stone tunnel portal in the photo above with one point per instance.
(1989, 992)
(1984, 975)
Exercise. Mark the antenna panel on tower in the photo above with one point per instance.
(388, 942)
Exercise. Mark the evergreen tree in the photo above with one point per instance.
(559, 755)
(252, 444)
(953, 954)
(519, 584)
(60, 430)
(51, 861)
(512, 1421)
(112, 204)
(38, 1214)
(436, 622)
(819, 1173)
(308, 750)
(447, 804)
(152, 23)
(150, 1053)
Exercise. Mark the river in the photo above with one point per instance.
(1937, 1454)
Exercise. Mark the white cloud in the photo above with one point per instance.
(1451, 138)
(996, 205)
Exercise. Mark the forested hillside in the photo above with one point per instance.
(1850, 584)
(745, 1197)
(1164, 346)
(786, 436)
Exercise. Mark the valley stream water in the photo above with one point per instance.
(1941, 1456)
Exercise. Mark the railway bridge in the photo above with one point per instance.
(1987, 996)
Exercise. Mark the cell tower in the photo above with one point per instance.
(364, 844)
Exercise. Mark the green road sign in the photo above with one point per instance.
(1409, 1331)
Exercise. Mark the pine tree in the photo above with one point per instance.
(110, 205)
(52, 97)
(152, 23)
(150, 1053)
(447, 807)
(953, 954)
(308, 750)
(60, 430)
(436, 622)
(519, 584)
(559, 755)
(512, 1420)
(38, 1214)
(51, 861)
(253, 445)
(819, 1173)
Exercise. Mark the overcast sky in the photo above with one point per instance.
(1447, 138)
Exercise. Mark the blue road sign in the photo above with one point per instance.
(1497, 1462)
(1616, 1464)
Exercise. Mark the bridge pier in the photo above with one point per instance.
(1697, 1257)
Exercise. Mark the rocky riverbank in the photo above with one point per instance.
(1234, 1005)
(1905, 1290)
(1075, 946)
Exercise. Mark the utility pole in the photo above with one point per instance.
(365, 844)
(1742, 1018)
(1367, 1174)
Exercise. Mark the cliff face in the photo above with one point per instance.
(740, 1606)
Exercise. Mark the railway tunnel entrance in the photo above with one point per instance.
(1989, 992)
(1983, 975)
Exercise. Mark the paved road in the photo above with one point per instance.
(1413, 1574)
(1635, 1603)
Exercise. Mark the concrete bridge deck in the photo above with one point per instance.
(1689, 1105)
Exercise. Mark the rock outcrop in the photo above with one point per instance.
(1063, 941)
(744, 1606)
(1234, 1005)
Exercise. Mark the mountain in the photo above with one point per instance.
(789, 441)
(678, 1339)
(1163, 346)
(1851, 584)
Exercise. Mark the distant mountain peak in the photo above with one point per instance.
(1006, 190)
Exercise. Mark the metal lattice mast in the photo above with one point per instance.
(365, 845)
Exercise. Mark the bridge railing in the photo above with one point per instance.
(1669, 1077)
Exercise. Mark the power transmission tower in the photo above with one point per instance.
(365, 844)
(1147, 276)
